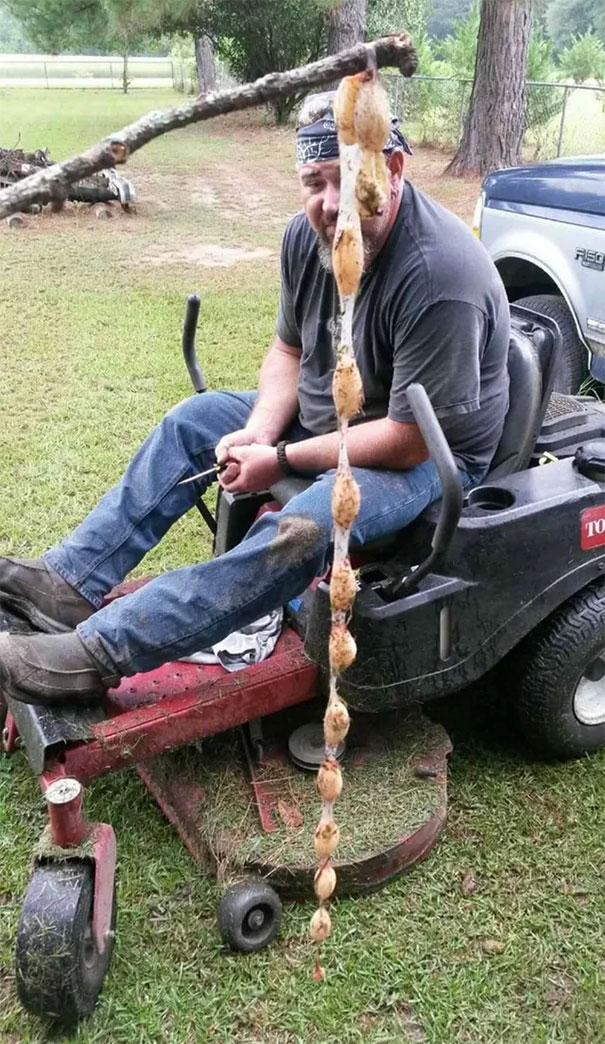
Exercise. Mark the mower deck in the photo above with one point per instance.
(244, 808)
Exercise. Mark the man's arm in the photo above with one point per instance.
(373, 444)
(276, 406)
(277, 403)
(380, 443)
(273, 411)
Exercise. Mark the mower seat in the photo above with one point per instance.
(524, 417)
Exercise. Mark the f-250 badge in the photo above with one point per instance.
(590, 258)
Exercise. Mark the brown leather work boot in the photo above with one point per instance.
(33, 590)
(43, 668)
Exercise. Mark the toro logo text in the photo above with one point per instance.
(592, 527)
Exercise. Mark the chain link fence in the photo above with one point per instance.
(560, 119)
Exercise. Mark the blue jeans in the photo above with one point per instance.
(192, 608)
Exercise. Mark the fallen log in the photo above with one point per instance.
(103, 187)
(52, 183)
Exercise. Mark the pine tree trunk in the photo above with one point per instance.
(204, 63)
(125, 73)
(346, 27)
(347, 23)
(495, 122)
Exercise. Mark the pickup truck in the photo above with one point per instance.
(544, 227)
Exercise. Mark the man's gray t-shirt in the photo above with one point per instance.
(431, 308)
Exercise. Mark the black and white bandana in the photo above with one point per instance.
(317, 140)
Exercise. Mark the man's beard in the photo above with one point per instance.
(324, 250)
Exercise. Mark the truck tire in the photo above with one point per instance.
(560, 678)
(573, 366)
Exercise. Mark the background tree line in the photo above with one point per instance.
(459, 38)
(255, 36)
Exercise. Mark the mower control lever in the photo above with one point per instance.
(198, 381)
(189, 328)
(452, 495)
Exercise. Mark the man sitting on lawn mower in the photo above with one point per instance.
(431, 308)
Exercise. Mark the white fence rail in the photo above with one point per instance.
(44, 70)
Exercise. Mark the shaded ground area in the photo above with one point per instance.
(242, 182)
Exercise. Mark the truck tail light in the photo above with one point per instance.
(477, 215)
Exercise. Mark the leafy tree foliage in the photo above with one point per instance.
(261, 36)
(443, 15)
(584, 59)
(12, 37)
(391, 16)
(128, 25)
(460, 49)
(568, 18)
(62, 26)
(256, 37)
(540, 61)
(539, 15)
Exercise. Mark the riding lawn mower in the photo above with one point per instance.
(508, 579)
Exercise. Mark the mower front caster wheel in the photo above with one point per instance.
(60, 971)
(561, 678)
(249, 916)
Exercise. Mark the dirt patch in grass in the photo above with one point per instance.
(228, 202)
(272, 150)
(211, 255)
(238, 192)
(560, 988)
(425, 168)
(397, 1023)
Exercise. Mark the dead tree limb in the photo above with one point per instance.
(51, 183)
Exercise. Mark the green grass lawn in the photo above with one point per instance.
(90, 315)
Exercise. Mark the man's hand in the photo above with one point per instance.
(242, 437)
(251, 469)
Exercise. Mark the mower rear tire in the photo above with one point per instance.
(60, 971)
(561, 678)
(249, 916)
(572, 368)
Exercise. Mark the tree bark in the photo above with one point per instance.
(347, 24)
(125, 80)
(204, 63)
(52, 182)
(346, 27)
(495, 122)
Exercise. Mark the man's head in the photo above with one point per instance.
(318, 166)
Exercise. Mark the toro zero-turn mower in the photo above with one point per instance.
(510, 576)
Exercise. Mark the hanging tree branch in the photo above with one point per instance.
(52, 182)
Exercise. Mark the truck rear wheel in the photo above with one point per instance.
(573, 366)
(560, 678)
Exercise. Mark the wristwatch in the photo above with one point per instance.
(282, 459)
